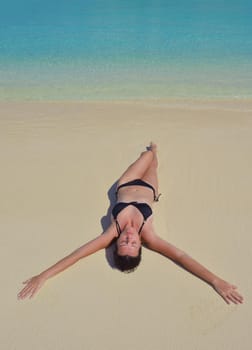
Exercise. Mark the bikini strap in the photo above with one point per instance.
(156, 198)
(119, 231)
(118, 228)
(141, 227)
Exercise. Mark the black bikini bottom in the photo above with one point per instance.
(139, 182)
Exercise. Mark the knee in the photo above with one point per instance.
(142, 154)
(154, 163)
(148, 154)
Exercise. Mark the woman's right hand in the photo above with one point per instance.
(33, 285)
(227, 291)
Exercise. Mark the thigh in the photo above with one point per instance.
(151, 177)
(137, 169)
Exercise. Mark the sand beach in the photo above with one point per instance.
(58, 163)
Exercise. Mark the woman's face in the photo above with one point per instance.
(128, 243)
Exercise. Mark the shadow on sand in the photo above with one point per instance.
(106, 221)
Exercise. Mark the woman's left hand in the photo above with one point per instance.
(227, 291)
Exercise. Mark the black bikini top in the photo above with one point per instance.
(144, 208)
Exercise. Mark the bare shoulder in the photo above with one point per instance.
(103, 240)
(111, 231)
(148, 234)
(153, 242)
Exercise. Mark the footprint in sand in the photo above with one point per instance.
(207, 316)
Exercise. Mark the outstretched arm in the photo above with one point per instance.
(35, 283)
(227, 291)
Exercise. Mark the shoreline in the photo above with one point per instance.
(167, 102)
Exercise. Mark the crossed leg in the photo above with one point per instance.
(145, 168)
(150, 176)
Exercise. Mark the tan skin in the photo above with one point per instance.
(129, 241)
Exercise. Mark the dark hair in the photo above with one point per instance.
(127, 263)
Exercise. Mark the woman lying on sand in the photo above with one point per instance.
(131, 227)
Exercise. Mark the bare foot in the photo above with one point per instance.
(153, 148)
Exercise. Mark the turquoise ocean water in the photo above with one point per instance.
(83, 49)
